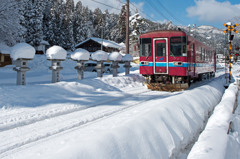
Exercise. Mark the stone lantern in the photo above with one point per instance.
(22, 53)
(115, 57)
(81, 56)
(56, 55)
(100, 56)
(56, 67)
(127, 59)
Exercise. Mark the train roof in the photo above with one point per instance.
(169, 33)
(164, 32)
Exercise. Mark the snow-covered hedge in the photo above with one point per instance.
(214, 139)
(158, 131)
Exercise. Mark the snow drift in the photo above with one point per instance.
(214, 140)
(160, 130)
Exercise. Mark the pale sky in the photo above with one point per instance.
(180, 12)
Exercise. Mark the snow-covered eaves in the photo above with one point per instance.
(43, 42)
(104, 42)
(4, 49)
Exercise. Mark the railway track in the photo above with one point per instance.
(18, 135)
(17, 119)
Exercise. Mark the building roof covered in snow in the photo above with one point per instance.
(93, 44)
(4, 49)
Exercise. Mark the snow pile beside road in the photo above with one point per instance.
(213, 141)
(160, 130)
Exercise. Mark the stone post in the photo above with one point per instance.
(100, 68)
(80, 69)
(115, 68)
(56, 67)
(127, 67)
(21, 68)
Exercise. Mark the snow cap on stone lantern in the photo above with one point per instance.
(127, 57)
(22, 51)
(115, 56)
(80, 54)
(100, 56)
(56, 53)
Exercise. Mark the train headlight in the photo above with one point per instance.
(177, 63)
(144, 63)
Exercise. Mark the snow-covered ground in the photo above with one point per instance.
(111, 117)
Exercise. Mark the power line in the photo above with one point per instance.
(169, 13)
(156, 9)
(140, 10)
(105, 5)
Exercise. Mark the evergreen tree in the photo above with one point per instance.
(98, 22)
(33, 16)
(11, 30)
(119, 32)
(78, 23)
(87, 28)
(68, 42)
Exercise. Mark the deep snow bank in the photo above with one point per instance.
(156, 129)
(214, 140)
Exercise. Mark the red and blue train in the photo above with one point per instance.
(174, 58)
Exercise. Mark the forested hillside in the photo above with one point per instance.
(63, 23)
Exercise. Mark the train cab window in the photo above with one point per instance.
(161, 49)
(146, 47)
(178, 46)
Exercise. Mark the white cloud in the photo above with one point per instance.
(213, 11)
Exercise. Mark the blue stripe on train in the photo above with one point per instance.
(164, 64)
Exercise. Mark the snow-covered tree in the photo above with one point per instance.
(10, 27)
(68, 42)
(33, 15)
(78, 23)
(87, 28)
(119, 32)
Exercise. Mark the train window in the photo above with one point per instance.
(160, 49)
(146, 47)
(199, 53)
(178, 46)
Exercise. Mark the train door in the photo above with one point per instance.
(191, 59)
(160, 56)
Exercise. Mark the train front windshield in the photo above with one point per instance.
(178, 46)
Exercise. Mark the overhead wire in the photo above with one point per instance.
(140, 10)
(168, 12)
(153, 6)
(105, 5)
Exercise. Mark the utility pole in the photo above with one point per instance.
(127, 28)
(229, 30)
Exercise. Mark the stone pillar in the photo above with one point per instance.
(115, 68)
(21, 68)
(100, 68)
(127, 67)
(80, 69)
(56, 67)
